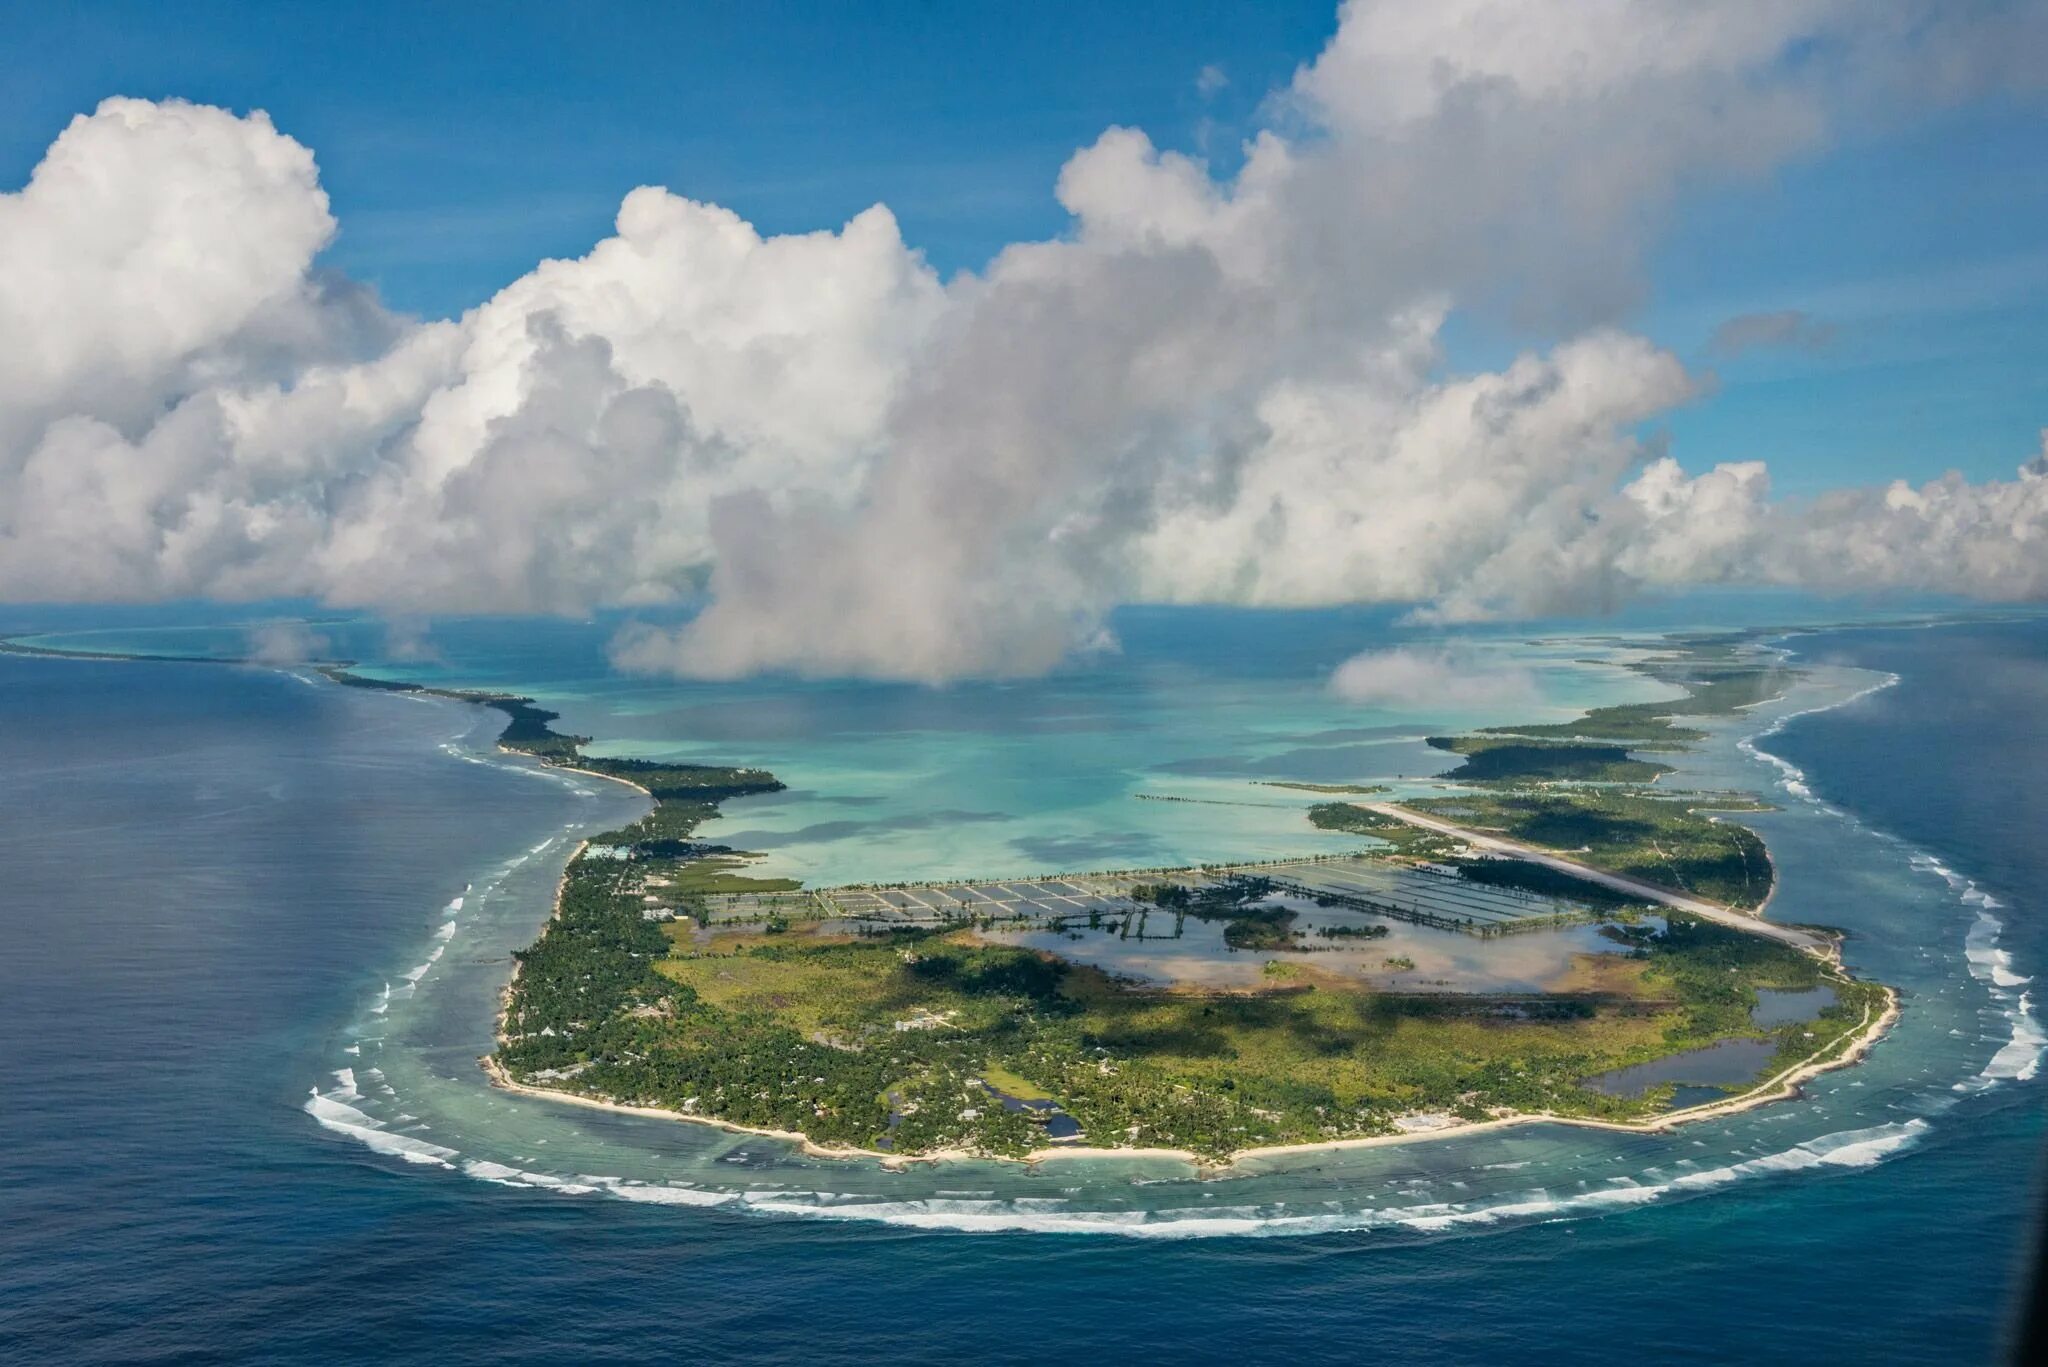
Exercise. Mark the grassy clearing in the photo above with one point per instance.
(1010, 1084)
(716, 873)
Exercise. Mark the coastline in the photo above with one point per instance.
(1843, 1052)
(1825, 945)
(572, 769)
(1780, 1087)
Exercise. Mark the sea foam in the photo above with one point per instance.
(333, 1112)
(1849, 1149)
(2019, 1058)
(1791, 777)
(1846, 1150)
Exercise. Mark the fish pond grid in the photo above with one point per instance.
(1431, 895)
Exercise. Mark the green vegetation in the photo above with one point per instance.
(899, 1040)
(1353, 789)
(1405, 839)
(1719, 676)
(1010, 1085)
(1415, 842)
(1246, 926)
(528, 731)
(1668, 841)
(1261, 928)
(1490, 760)
(1622, 827)
(886, 1041)
(1368, 932)
(1716, 971)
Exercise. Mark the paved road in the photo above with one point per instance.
(1649, 892)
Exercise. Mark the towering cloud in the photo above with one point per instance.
(1211, 389)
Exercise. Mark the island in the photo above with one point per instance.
(1002, 1018)
(1562, 936)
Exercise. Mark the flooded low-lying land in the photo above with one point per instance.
(1398, 956)
(1398, 926)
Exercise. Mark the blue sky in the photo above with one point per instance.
(461, 143)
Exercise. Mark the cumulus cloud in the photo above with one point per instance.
(1442, 676)
(409, 638)
(1211, 389)
(1987, 540)
(286, 643)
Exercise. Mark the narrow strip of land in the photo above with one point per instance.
(1634, 887)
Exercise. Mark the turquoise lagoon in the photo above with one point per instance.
(999, 779)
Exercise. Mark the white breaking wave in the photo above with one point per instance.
(334, 1113)
(1791, 777)
(1849, 1149)
(417, 971)
(2019, 1058)
(1989, 962)
(442, 935)
(655, 1193)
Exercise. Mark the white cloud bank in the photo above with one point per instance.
(1444, 677)
(1220, 390)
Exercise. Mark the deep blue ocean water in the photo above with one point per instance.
(205, 871)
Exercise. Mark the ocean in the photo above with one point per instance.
(255, 922)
